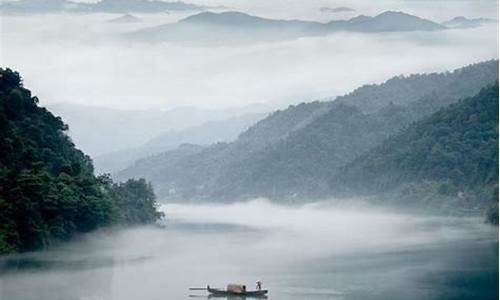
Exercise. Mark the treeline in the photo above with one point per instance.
(409, 141)
(451, 154)
(293, 154)
(48, 190)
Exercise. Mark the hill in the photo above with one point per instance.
(127, 129)
(205, 134)
(452, 153)
(292, 154)
(463, 22)
(236, 27)
(48, 191)
(125, 19)
(340, 9)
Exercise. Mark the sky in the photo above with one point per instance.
(80, 59)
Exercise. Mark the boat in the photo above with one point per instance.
(244, 293)
(233, 291)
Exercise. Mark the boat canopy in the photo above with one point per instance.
(236, 288)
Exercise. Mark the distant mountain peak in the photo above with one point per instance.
(397, 21)
(339, 9)
(242, 28)
(393, 13)
(399, 15)
(463, 22)
(359, 18)
(459, 18)
(127, 18)
(222, 17)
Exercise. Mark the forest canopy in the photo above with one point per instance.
(48, 190)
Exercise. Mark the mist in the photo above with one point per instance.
(127, 100)
(80, 66)
(315, 251)
(87, 61)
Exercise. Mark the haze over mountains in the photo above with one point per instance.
(205, 134)
(168, 75)
(336, 156)
(233, 26)
(102, 6)
(339, 9)
(463, 22)
(452, 152)
(129, 129)
(127, 18)
(294, 153)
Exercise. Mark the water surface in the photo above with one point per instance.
(316, 251)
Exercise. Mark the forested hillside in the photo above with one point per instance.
(294, 153)
(226, 130)
(184, 172)
(452, 153)
(48, 191)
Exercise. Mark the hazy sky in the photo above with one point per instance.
(78, 59)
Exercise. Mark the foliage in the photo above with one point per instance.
(135, 200)
(456, 148)
(48, 191)
(294, 153)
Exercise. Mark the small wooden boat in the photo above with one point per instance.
(233, 291)
(245, 293)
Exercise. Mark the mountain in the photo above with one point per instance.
(452, 153)
(293, 154)
(128, 18)
(339, 9)
(208, 133)
(48, 191)
(237, 27)
(127, 129)
(187, 171)
(103, 6)
(463, 22)
(388, 21)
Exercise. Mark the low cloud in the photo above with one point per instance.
(81, 59)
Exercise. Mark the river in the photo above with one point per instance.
(314, 251)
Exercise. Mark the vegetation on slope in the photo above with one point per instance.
(295, 152)
(48, 191)
(451, 154)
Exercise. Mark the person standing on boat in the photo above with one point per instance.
(259, 285)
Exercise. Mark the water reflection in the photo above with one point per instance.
(47, 278)
(227, 297)
(299, 252)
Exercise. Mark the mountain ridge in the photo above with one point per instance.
(294, 151)
(234, 26)
(451, 154)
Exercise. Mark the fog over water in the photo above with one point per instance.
(315, 251)
(320, 250)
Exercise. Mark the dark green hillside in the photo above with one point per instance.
(455, 150)
(295, 152)
(300, 164)
(187, 171)
(403, 90)
(48, 191)
(281, 123)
